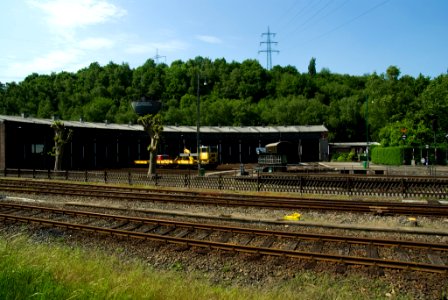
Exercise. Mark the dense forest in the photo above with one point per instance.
(384, 106)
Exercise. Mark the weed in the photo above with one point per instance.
(177, 266)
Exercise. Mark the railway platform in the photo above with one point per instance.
(375, 169)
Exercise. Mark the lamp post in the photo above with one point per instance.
(434, 129)
(446, 151)
(435, 149)
(367, 132)
(198, 126)
(198, 122)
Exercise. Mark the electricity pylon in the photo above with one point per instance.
(268, 49)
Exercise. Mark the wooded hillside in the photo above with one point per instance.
(233, 93)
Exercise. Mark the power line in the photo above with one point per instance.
(283, 18)
(308, 9)
(308, 22)
(313, 13)
(268, 49)
(351, 20)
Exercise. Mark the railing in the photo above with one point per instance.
(410, 186)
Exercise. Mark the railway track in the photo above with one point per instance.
(341, 250)
(424, 208)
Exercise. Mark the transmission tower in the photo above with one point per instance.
(157, 57)
(268, 49)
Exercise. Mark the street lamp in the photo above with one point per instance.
(434, 129)
(435, 148)
(198, 122)
(446, 151)
(367, 133)
(198, 126)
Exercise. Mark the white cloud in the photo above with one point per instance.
(70, 14)
(209, 39)
(150, 48)
(96, 43)
(70, 51)
(54, 61)
(140, 48)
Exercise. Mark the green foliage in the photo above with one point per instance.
(344, 118)
(405, 155)
(177, 266)
(312, 67)
(387, 155)
(98, 110)
(392, 73)
(345, 156)
(244, 94)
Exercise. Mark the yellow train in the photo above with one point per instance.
(208, 158)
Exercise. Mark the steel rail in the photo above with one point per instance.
(381, 207)
(340, 259)
(233, 229)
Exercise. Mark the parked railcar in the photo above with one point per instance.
(274, 157)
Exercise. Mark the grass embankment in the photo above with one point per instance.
(32, 270)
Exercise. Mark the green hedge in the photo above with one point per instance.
(404, 155)
(387, 156)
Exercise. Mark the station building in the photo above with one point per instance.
(25, 143)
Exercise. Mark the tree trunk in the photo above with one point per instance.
(58, 158)
(152, 156)
(152, 164)
(57, 163)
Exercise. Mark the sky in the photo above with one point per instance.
(354, 37)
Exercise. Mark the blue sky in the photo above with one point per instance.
(353, 37)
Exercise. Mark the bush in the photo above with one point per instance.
(404, 155)
(387, 155)
(341, 158)
(344, 156)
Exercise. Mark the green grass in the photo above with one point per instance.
(31, 270)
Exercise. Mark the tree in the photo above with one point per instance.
(312, 67)
(152, 124)
(176, 81)
(149, 79)
(62, 136)
(251, 80)
(237, 93)
(97, 109)
(432, 106)
(344, 120)
(392, 73)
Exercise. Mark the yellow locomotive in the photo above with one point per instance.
(208, 158)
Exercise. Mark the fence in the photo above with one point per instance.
(342, 184)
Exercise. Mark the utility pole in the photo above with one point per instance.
(367, 133)
(198, 120)
(157, 57)
(198, 125)
(268, 49)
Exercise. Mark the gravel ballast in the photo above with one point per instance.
(250, 270)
